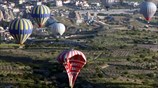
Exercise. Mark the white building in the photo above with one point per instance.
(5, 35)
(96, 4)
(39, 3)
(59, 3)
(66, 1)
(79, 18)
(16, 10)
(20, 1)
(134, 4)
(28, 7)
(12, 4)
(82, 3)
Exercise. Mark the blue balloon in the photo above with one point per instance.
(40, 14)
(20, 29)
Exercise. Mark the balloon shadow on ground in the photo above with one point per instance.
(40, 69)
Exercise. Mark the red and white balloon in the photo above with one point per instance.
(73, 60)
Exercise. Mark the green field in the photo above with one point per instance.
(122, 53)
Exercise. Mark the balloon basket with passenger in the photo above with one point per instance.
(21, 46)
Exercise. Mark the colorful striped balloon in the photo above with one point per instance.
(73, 60)
(40, 14)
(20, 29)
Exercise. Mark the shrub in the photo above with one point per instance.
(142, 56)
(100, 75)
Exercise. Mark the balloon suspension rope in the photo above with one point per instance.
(148, 23)
(21, 45)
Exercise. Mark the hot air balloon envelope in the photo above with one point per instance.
(58, 28)
(148, 9)
(20, 29)
(73, 60)
(40, 14)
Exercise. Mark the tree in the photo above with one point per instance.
(49, 5)
(121, 2)
(142, 56)
(100, 75)
(128, 59)
(21, 85)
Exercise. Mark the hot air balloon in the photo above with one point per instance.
(40, 14)
(20, 29)
(58, 28)
(107, 3)
(148, 9)
(73, 60)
